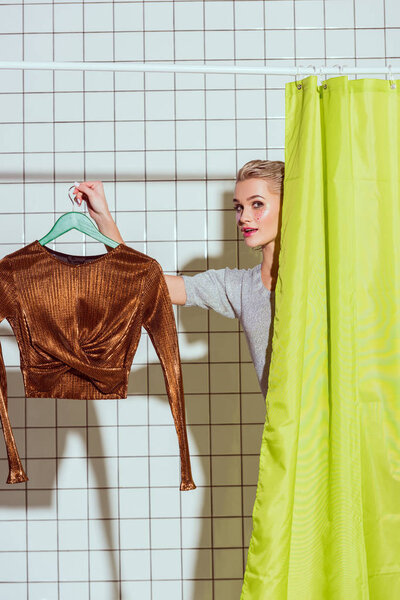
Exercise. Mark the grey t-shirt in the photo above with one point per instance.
(241, 294)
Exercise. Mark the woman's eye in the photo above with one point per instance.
(237, 208)
(258, 204)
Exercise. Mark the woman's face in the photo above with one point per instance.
(257, 211)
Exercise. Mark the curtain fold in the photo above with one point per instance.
(326, 519)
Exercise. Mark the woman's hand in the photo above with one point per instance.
(92, 192)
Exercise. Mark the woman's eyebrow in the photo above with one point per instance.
(250, 198)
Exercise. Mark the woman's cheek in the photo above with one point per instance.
(263, 213)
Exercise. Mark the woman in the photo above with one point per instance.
(246, 294)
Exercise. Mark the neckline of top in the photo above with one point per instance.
(258, 267)
(96, 257)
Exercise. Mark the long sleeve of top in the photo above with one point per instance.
(78, 322)
(7, 309)
(159, 322)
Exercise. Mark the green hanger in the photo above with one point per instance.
(79, 221)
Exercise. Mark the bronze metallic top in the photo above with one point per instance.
(77, 321)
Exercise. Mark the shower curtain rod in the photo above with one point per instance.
(182, 68)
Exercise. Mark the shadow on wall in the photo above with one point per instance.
(225, 449)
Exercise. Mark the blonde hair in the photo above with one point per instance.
(271, 170)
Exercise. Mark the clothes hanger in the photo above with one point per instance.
(79, 221)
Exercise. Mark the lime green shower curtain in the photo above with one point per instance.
(326, 519)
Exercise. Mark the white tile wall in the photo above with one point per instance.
(102, 516)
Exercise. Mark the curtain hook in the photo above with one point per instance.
(298, 85)
(320, 74)
(391, 80)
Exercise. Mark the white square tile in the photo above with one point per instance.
(128, 16)
(248, 15)
(196, 564)
(163, 440)
(279, 14)
(68, 106)
(190, 134)
(227, 532)
(160, 165)
(129, 105)
(129, 136)
(196, 533)
(160, 135)
(161, 225)
(159, 45)
(99, 46)
(159, 105)
(339, 13)
(103, 503)
(309, 44)
(41, 442)
(249, 45)
(340, 43)
(38, 47)
(190, 164)
(158, 16)
(128, 46)
(192, 255)
(219, 44)
(71, 412)
(221, 134)
(11, 19)
(133, 441)
(103, 534)
(165, 471)
(165, 502)
(133, 471)
(72, 472)
(11, 80)
(40, 412)
(71, 442)
(369, 13)
(74, 565)
(68, 136)
(70, 590)
(11, 165)
(309, 14)
(102, 412)
(166, 564)
(165, 533)
(103, 564)
(191, 225)
(36, 18)
(129, 165)
(42, 566)
(392, 44)
(10, 138)
(12, 536)
(160, 195)
(134, 534)
(134, 503)
(68, 17)
(392, 8)
(103, 472)
(370, 43)
(280, 44)
(251, 439)
(14, 568)
(219, 15)
(190, 104)
(99, 136)
(135, 564)
(133, 411)
(42, 535)
(251, 134)
(68, 46)
(102, 441)
(99, 106)
(220, 104)
(167, 589)
(11, 107)
(73, 535)
(164, 253)
(189, 45)
(228, 563)
(249, 382)
(188, 15)
(195, 378)
(38, 591)
(72, 504)
(104, 590)
(98, 17)
(130, 195)
(221, 164)
(225, 439)
(11, 46)
(226, 470)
